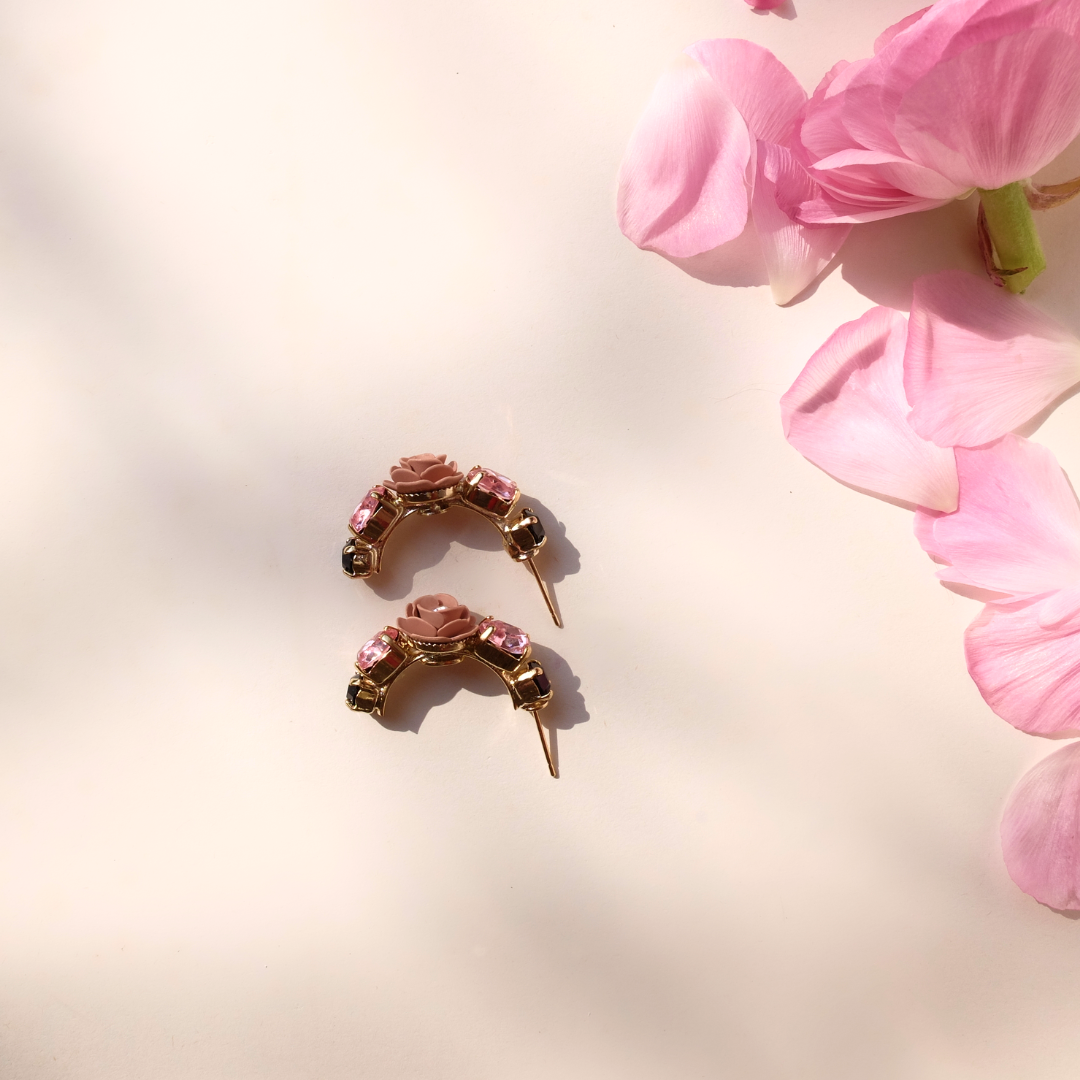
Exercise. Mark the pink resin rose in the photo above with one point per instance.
(437, 617)
(423, 472)
(965, 94)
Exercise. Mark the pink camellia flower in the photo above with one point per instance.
(709, 180)
(881, 404)
(1040, 830)
(1014, 539)
(964, 95)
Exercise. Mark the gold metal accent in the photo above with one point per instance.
(522, 536)
(522, 676)
(544, 743)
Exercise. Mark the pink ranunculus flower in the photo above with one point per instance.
(1040, 830)
(709, 179)
(882, 403)
(964, 95)
(1014, 539)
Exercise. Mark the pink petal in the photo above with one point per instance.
(767, 95)
(794, 253)
(847, 414)
(418, 628)
(1017, 527)
(765, 5)
(1040, 830)
(682, 184)
(981, 361)
(996, 113)
(886, 36)
(457, 626)
(890, 173)
(1029, 673)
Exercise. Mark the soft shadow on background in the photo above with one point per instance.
(421, 542)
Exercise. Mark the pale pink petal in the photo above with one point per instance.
(1040, 830)
(1028, 673)
(738, 263)
(682, 184)
(765, 5)
(457, 626)
(794, 253)
(847, 414)
(1017, 527)
(886, 36)
(890, 172)
(996, 113)
(767, 95)
(981, 361)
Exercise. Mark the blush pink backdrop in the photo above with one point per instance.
(252, 253)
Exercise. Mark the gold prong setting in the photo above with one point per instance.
(481, 490)
(497, 645)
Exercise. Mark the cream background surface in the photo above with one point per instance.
(250, 253)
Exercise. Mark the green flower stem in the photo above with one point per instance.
(1012, 232)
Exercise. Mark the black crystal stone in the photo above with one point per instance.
(350, 694)
(347, 558)
(537, 531)
(541, 681)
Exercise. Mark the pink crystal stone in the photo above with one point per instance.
(366, 508)
(506, 637)
(491, 483)
(374, 650)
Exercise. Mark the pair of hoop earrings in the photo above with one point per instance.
(436, 630)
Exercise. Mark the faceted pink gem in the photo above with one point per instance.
(366, 508)
(493, 484)
(374, 650)
(506, 637)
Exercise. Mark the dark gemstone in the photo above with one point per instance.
(347, 553)
(350, 694)
(537, 531)
(541, 681)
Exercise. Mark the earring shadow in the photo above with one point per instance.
(420, 542)
(418, 692)
(423, 688)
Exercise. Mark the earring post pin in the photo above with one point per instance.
(544, 744)
(544, 591)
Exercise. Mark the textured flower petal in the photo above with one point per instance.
(767, 95)
(1040, 830)
(996, 113)
(847, 414)
(794, 253)
(438, 472)
(457, 626)
(1028, 673)
(1017, 527)
(682, 184)
(418, 628)
(403, 475)
(980, 361)
(886, 36)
